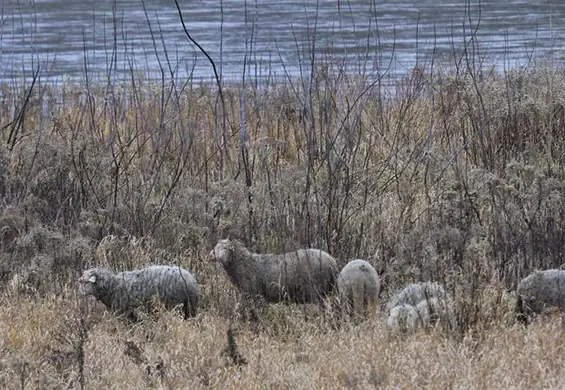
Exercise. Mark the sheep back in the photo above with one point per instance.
(416, 292)
(541, 290)
(359, 287)
(301, 276)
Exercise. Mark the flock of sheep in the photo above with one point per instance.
(304, 276)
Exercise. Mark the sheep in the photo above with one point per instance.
(539, 291)
(300, 276)
(125, 291)
(416, 292)
(436, 310)
(404, 318)
(359, 287)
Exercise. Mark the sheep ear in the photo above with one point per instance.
(92, 279)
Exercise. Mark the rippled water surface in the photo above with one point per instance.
(72, 38)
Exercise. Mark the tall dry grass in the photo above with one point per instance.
(39, 351)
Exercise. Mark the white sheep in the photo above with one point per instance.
(359, 288)
(404, 319)
(416, 292)
(539, 291)
(128, 290)
(300, 276)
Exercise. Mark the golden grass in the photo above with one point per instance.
(170, 353)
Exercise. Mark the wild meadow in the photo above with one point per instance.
(454, 173)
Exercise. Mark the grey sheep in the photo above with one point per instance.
(301, 276)
(359, 288)
(416, 292)
(404, 319)
(125, 291)
(539, 291)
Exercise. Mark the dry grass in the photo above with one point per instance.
(453, 177)
(175, 354)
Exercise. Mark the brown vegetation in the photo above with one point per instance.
(457, 177)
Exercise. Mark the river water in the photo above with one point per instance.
(71, 39)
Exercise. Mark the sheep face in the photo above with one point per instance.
(222, 252)
(89, 281)
(86, 283)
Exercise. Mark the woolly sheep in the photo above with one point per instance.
(359, 287)
(539, 291)
(404, 318)
(416, 292)
(125, 291)
(301, 276)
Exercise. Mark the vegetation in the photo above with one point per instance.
(453, 174)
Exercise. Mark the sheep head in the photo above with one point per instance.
(222, 252)
(87, 283)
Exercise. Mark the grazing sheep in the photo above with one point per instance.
(125, 291)
(416, 292)
(359, 287)
(301, 276)
(403, 318)
(436, 310)
(539, 291)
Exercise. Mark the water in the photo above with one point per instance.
(70, 39)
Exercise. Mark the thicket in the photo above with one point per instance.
(454, 173)
(457, 177)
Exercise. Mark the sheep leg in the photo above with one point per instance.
(189, 309)
(348, 305)
(367, 305)
(521, 315)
